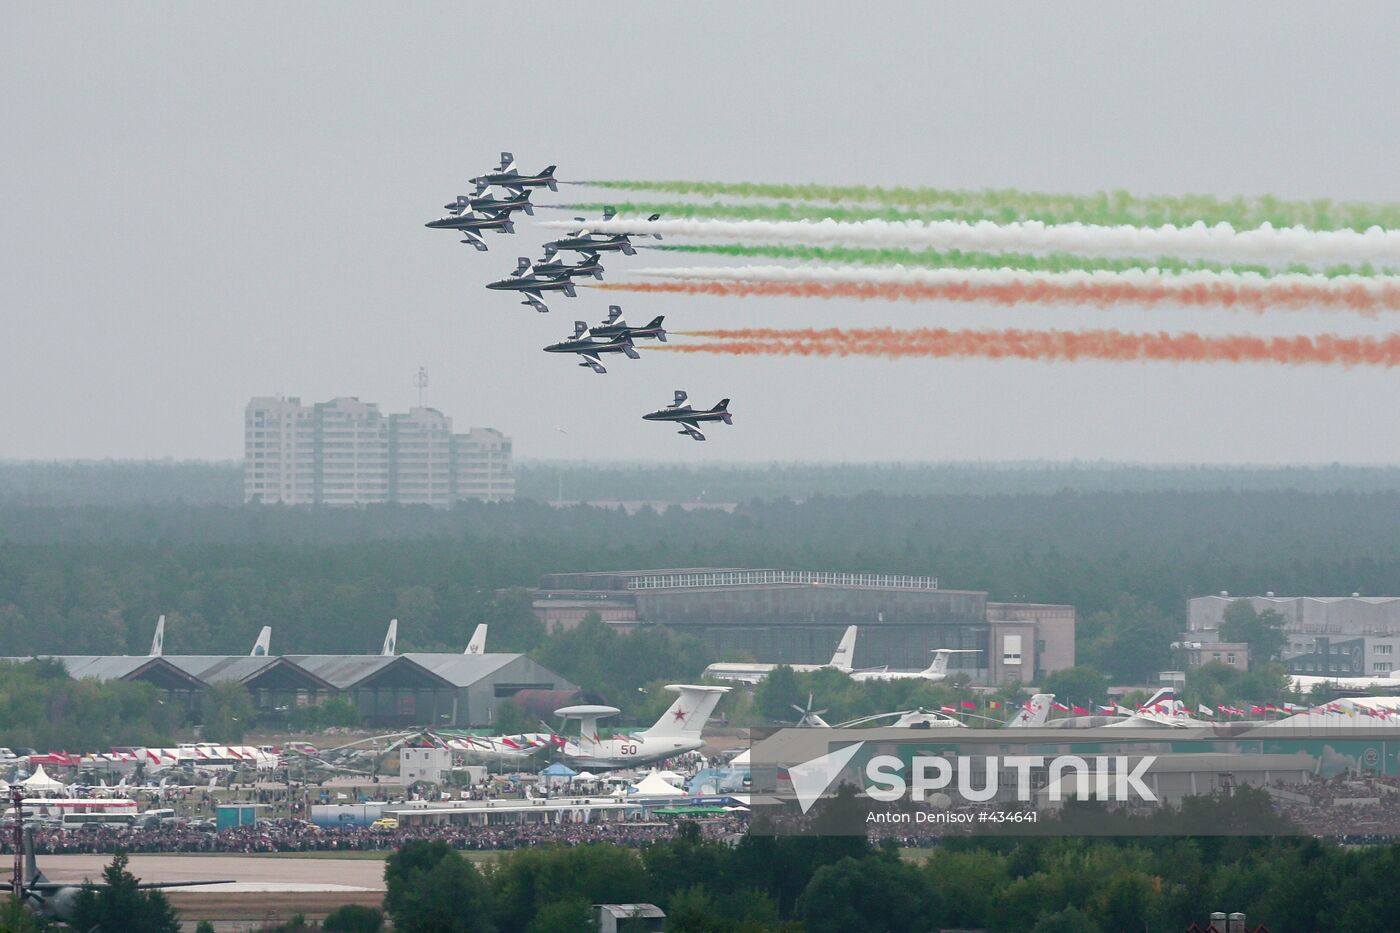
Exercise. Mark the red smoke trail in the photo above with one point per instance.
(1112, 345)
(1366, 299)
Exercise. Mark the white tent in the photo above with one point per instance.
(654, 785)
(41, 783)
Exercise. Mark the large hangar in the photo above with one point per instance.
(797, 617)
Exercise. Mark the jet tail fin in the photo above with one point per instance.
(845, 650)
(508, 226)
(391, 639)
(686, 717)
(264, 643)
(31, 874)
(158, 642)
(477, 645)
(569, 290)
(1034, 712)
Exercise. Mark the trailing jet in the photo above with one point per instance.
(57, 900)
(532, 285)
(751, 673)
(519, 202)
(690, 418)
(590, 348)
(506, 176)
(935, 672)
(677, 731)
(615, 326)
(582, 241)
(477, 645)
(470, 225)
(585, 266)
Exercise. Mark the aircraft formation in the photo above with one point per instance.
(473, 215)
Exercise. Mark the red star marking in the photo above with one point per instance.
(680, 715)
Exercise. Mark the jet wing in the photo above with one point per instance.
(477, 242)
(693, 429)
(533, 300)
(592, 362)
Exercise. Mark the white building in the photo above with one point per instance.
(1327, 635)
(345, 452)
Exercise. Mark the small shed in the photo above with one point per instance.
(629, 918)
(232, 815)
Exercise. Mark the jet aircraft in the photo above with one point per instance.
(746, 672)
(471, 224)
(583, 241)
(586, 266)
(690, 418)
(935, 672)
(532, 285)
(678, 730)
(506, 176)
(591, 348)
(615, 326)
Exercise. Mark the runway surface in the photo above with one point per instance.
(250, 873)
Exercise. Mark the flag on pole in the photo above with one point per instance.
(1079, 710)
(1060, 706)
(968, 704)
(1206, 710)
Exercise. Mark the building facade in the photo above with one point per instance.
(346, 452)
(1347, 636)
(797, 617)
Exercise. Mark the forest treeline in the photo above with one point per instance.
(133, 482)
(93, 579)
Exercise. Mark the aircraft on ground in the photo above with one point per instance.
(532, 286)
(615, 326)
(935, 672)
(591, 349)
(690, 418)
(677, 731)
(751, 673)
(584, 241)
(506, 176)
(471, 224)
(57, 900)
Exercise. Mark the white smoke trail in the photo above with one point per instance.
(1265, 244)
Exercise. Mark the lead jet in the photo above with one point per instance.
(615, 325)
(586, 266)
(690, 418)
(506, 176)
(532, 286)
(583, 241)
(591, 348)
(470, 225)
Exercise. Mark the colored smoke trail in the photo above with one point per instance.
(957, 259)
(1051, 346)
(1008, 287)
(1222, 243)
(1007, 204)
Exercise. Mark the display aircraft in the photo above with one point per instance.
(57, 900)
(935, 672)
(677, 731)
(584, 241)
(690, 418)
(554, 269)
(751, 673)
(470, 225)
(615, 326)
(506, 206)
(532, 286)
(506, 176)
(591, 349)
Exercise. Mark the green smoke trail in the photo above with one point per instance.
(959, 259)
(1008, 204)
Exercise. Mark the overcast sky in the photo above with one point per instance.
(203, 203)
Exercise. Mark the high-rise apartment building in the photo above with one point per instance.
(345, 452)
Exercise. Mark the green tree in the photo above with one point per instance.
(430, 888)
(1262, 631)
(354, 918)
(228, 712)
(119, 906)
(511, 718)
(1082, 685)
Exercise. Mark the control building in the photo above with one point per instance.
(345, 452)
(1328, 636)
(797, 617)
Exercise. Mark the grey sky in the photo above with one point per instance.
(203, 204)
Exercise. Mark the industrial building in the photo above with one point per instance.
(416, 689)
(797, 617)
(1328, 636)
(345, 452)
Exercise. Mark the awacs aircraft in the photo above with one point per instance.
(556, 270)
(690, 418)
(58, 899)
(531, 286)
(615, 326)
(583, 241)
(506, 176)
(591, 349)
(752, 673)
(678, 730)
(934, 673)
(470, 225)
